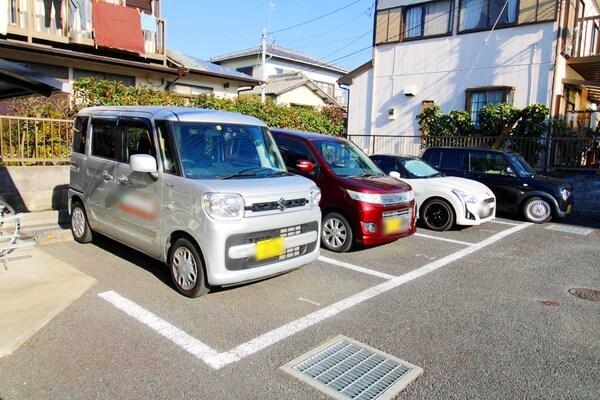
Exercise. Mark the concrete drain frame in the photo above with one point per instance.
(344, 368)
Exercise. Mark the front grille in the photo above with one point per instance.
(280, 205)
(247, 263)
(396, 213)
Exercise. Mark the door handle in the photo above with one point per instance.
(106, 176)
(123, 180)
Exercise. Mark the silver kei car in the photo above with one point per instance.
(204, 191)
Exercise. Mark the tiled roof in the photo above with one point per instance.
(204, 66)
(282, 52)
(279, 84)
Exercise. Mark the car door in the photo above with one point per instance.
(491, 169)
(138, 194)
(99, 170)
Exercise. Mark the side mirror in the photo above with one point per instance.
(305, 166)
(143, 163)
(395, 174)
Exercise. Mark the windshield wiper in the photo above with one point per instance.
(244, 173)
(367, 175)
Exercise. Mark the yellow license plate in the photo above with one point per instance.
(392, 225)
(269, 248)
(569, 208)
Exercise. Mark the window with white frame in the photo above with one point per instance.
(483, 14)
(428, 19)
(328, 88)
(477, 98)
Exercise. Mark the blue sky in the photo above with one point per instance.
(208, 28)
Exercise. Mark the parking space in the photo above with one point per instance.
(230, 324)
(433, 299)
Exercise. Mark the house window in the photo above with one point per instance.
(246, 70)
(190, 90)
(387, 26)
(124, 79)
(429, 19)
(537, 10)
(478, 98)
(483, 14)
(326, 87)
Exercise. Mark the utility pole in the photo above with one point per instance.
(263, 66)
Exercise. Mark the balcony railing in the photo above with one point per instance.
(586, 38)
(33, 20)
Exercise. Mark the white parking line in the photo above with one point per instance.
(444, 239)
(356, 268)
(219, 360)
(504, 223)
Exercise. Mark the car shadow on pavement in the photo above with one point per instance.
(155, 267)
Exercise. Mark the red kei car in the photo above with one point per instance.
(359, 203)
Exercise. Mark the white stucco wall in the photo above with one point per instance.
(301, 95)
(273, 64)
(441, 69)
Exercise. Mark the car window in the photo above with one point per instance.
(419, 169)
(346, 159)
(105, 138)
(452, 160)
(387, 165)
(165, 145)
(487, 163)
(209, 150)
(79, 131)
(137, 137)
(293, 151)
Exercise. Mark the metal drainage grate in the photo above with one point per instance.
(569, 229)
(42, 230)
(586, 294)
(346, 369)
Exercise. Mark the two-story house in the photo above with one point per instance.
(464, 54)
(293, 77)
(120, 40)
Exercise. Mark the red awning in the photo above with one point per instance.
(117, 27)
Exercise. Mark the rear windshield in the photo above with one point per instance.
(224, 151)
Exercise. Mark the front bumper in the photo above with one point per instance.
(382, 224)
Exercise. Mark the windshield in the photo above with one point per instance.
(222, 151)
(522, 167)
(345, 159)
(419, 169)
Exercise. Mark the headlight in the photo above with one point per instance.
(386, 198)
(223, 205)
(466, 198)
(314, 196)
(565, 194)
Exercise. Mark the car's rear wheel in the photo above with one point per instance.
(187, 269)
(336, 233)
(80, 227)
(437, 215)
(537, 210)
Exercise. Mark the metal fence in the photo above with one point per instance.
(34, 141)
(552, 153)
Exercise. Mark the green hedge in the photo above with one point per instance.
(329, 120)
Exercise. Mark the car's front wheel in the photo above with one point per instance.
(187, 269)
(80, 227)
(437, 215)
(336, 233)
(537, 210)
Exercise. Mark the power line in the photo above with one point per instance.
(366, 12)
(317, 18)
